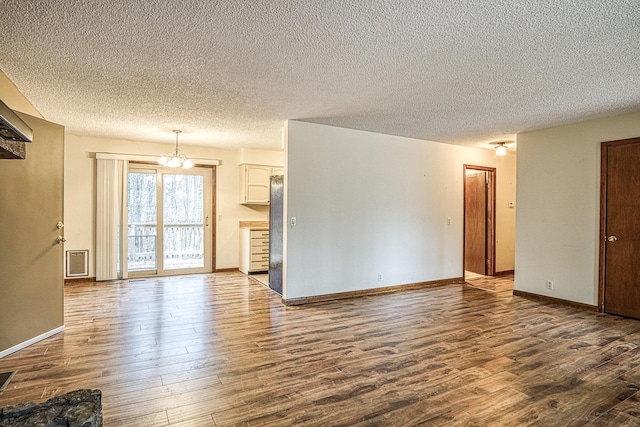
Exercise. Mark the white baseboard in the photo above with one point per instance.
(31, 341)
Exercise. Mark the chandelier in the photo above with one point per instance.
(175, 160)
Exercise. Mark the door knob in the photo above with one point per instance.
(60, 239)
(612, 239)
(59, 225)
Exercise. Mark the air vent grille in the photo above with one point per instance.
(77, 263)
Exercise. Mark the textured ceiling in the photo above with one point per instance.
(229, 72)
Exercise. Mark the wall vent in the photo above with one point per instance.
(77, 263)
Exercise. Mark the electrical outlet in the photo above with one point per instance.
(549, 285)
(379, 277)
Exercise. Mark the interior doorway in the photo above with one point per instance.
(619, 228)
(479, 220)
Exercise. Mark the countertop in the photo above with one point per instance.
(255, 225)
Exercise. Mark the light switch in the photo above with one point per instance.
(511, 205)
(293, 221)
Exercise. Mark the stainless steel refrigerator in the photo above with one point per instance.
(276, 236)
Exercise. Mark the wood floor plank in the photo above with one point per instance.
(221, 350)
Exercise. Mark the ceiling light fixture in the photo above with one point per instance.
(501, 148)
(174, 160)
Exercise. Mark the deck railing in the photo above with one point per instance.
(183, 246)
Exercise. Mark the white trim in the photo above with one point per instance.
(31, 341)
(147, 158)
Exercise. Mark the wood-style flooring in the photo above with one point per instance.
(221, 350)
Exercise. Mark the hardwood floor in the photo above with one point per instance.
(221, 350)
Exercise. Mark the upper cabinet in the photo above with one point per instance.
(255, 181)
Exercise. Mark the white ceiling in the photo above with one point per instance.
(230, 72)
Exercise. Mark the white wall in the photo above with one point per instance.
(79, 191)
(261, 157)
(369, 203)
(559, 206)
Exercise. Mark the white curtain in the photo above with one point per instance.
(111, 219)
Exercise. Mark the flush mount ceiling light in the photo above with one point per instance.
(174, 160)
(501, 147)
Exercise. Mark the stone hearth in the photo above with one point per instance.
(80, 408)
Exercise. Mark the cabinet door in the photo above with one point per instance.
(256, 184)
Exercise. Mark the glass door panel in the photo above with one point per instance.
(183, 221)
(142, 218)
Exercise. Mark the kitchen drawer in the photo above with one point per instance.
(254, 250)
(260, 266)
(260, 257)
(260, 242)
(259, 250)
(260, 234)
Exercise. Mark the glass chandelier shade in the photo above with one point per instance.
(176, 159)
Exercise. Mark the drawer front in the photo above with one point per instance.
(260, 257)
(259, 250)
(260, 234)
(260, 242)
(260, 266)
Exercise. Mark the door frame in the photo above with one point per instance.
(214, 213)
(603, 213)
(491, 216)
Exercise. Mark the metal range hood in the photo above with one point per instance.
(12, 128)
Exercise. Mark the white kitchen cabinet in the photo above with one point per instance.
(254, 183)
(254, 250)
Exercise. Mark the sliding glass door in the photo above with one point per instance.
(142, 217)
(169, 213)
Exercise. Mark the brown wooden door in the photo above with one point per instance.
(621, 232)
(475, 242)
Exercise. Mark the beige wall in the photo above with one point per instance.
(80, 190)
(369, 204)
(10, 95)
(31, 278)
(559, 206)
